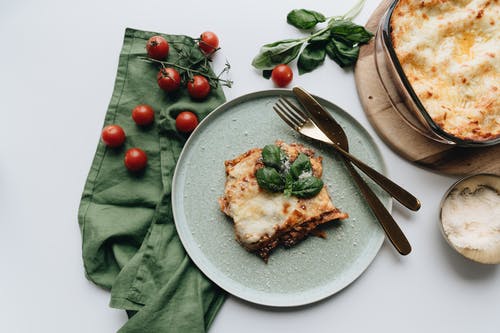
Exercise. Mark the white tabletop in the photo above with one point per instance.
(58, 62)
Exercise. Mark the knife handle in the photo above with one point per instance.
(396, 191)
(391, 228)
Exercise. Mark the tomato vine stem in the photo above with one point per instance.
(164, 64)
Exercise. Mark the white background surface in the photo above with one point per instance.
(58, 62)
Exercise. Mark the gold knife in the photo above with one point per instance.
(329, 126)
(337, 135)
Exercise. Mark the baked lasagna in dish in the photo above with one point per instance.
(263, 219)
(450, 54)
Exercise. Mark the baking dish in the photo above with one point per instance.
(401, 93)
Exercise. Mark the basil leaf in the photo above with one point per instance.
(304, 19)
(281, 52)
(344, 55)
(272, 156)
(288, 185)
(311, 57)
(300, 165)
(266, 73)
(321, 38)
(284, 158)
(350, 33)
(307, 187)
(270, 180)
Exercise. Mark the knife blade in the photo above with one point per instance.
(322, 118)
(391, 228)
(329, 126)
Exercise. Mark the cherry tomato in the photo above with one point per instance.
(186, 121)
(143, 114)
(209, 42)
(135, 159)
(282, 75)
(157, 47)
(198, 87)
(113, 136)
(168, 79)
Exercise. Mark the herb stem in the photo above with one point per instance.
(320, 31)
(354, 11)
(167, 63)
(337, 36)
(317, 33)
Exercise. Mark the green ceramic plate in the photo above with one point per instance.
(312, 270)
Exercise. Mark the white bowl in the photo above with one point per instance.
(472, 226)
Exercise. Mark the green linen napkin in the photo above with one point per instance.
(130, 244)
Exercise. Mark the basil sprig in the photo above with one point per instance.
(278, 175)
(307, 187)
(341, 53)
(281, 52)
(339, 40)
(304, 19)
(270, 179)
(301, 165)
(274, 157)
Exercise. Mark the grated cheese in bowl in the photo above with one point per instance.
(470, 218)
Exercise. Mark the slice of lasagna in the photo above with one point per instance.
(264, 220)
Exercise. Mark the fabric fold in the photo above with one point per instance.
(130, 244)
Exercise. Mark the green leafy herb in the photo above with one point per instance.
(321, 38)
(281, 52)
(304, 19)
(350, 33)
(301, 165)
(307, 187)
(273, 157)
(266, 73)
(342, 54)
(277, 177)
(311, 57)
(270, 179)
(340, 39)
(288, 185)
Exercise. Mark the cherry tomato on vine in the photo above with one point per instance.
(143, 114)
(198, 87)
(186, 121)
(135, 159)
(113, 136)
(157, 47)
(282, 75)
(209, 42)
(168, 79)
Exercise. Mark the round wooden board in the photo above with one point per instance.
(399, 136)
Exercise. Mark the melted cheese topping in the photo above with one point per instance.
(450, 53)
(260, 216)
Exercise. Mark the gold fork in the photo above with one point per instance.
(299, 121)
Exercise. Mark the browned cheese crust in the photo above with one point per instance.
(450, 53)
(263, 220)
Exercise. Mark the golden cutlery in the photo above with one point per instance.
(300, 121)
(333, 131)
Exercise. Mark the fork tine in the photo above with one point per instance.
(285, 118)
(289, 112)
(296, 109)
